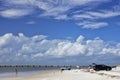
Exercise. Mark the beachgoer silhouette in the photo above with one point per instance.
(16, 71)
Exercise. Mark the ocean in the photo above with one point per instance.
(23, 71)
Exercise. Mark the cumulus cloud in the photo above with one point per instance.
(16, 49)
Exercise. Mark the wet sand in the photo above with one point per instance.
(71, 75)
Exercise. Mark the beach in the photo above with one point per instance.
(75, 74)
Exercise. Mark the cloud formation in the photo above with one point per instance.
(23, 49)
(30, 22)
(76, 10)
(92, 25)
(14, 13)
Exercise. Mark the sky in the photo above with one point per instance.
(59, 32)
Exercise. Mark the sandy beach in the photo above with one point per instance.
(71, 75)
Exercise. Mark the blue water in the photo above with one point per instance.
(20, 74)
(9, 72)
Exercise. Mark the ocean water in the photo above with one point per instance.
(8, 72)
(19, 74)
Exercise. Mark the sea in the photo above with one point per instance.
(23, 71)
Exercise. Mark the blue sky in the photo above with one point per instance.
(66, 31)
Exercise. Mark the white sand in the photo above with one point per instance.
(72, 75)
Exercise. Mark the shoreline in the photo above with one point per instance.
(75, 74)
(27, 74)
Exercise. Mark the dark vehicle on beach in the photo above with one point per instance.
(64, 68)
(101, 67)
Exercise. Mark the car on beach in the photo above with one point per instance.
(101, 67)
(65, 68)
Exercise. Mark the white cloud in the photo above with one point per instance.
(104, 14)
(92, 25)
(43, 5)
(82, 16)
(81, 2)
(96, 15)
(51, 8)
(30, 22)
(60, 10)
(80, 39)
(60, 7)
(21, 48)
(95, 46)
(62, 17)
(55, 11)
(20, 2)
(86, 18)
(14, 13)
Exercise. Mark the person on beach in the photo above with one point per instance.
(16, 71)
(90, 67)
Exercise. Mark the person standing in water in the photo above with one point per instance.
(16, 72)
